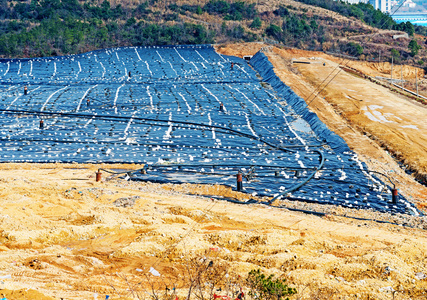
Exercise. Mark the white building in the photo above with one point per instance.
(409, 3)
(382, 5)
(356, 1)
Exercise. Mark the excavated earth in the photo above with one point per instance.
(65, 236)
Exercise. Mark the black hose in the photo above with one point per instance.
(169, 81)
(154, 121)
(223, 129)
(296, 187)
(113, 117)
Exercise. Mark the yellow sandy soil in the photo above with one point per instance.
(62, 236)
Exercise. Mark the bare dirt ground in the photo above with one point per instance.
(63, 235)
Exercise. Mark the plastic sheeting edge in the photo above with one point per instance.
(265, 68)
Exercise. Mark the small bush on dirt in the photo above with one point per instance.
(268, 288)
(200, 277)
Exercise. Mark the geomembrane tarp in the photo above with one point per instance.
(261, 63)
(189, 115)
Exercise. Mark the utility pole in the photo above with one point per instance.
(392, 69)
(416, 80)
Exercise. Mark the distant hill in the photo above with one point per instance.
(60, 27)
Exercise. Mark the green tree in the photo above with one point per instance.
(409, 28)
(217, 6)
(256, 23)
(395, 53)
(4, 8)
(281, 11)
(131, 21)
(237, 32)
(274, 31)
(356, 12)
(224, 28)
(313, 24)
(414, 47)
(354, 49)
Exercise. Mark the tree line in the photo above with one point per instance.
(60, 27)
(66, 27)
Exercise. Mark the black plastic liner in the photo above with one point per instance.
(188, 114)
(264, 67)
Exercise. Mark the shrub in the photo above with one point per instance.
(131, 21)
(281, 11)
(217, 6)
(235, 11)
(268, 288)
(353, 49)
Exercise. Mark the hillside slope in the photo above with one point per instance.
(50, 28)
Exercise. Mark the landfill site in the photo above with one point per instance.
(122, 168)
